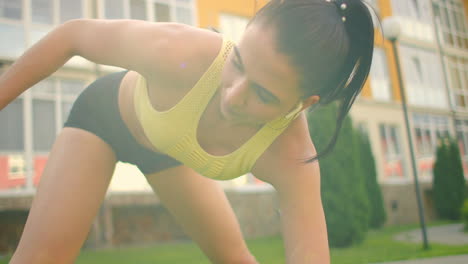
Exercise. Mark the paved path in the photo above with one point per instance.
(447, 234)
(460, 259)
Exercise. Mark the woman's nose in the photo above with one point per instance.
(236, 96)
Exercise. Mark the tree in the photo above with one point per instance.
(377, 215)
(448, 182)
(344, 194)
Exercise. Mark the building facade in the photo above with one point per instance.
(433, 51)
(433, 55)
(31, 123)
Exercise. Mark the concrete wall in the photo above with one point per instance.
(139, 218)
(122, 221)
(401, 204)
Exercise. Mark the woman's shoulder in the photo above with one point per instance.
(288, 150)
(189, 51)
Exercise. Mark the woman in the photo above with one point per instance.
(193, 104)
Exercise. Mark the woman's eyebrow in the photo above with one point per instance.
(272, 97)
(269, 94)
(236, 51)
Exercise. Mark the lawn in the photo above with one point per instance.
(378, 247)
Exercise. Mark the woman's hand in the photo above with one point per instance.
(303, 219)
(298, 186)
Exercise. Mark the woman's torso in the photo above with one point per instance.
(214, 136)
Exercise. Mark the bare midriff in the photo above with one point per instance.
(127, 110)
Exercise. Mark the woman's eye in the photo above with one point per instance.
(237, 65)
(263, 99)
(261, 96)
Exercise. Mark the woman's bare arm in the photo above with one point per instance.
(202, 209)
(141, 46)
(298, 186)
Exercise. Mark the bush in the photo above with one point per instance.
(344, 194)
(464, 214)
(448, 181)
(377, 214)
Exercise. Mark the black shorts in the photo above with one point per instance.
(96, 110)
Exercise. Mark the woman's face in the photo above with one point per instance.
(259, 84)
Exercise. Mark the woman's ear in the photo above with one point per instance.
(299, 107)
(310, 101)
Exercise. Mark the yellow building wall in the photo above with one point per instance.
(465, 3)
(385, 11)
(209, 10)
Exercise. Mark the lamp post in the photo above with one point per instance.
(391, 31)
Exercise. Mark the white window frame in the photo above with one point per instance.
(396, 153)
(56, 13)
(34, 31)
(380, 85)
(173, 5)
(461, 66)
(434, 124)
(57, 96)
(430, 91)
(447, 7)
(16, 23)
(84, 6)
(407, 9)
(4, 19)
(16, 161)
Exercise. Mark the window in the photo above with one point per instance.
(380, 82)
(12, 34)
(44, 129)
(70, 9)
(11, 9)
(43, 115)
(70, 89)
(12, 40)
(415, 8)
(417, 66)
(458, 77)
(391, 148)
(52, 100)
(162, 12)
(423, 78)
(177, 11)
(452, 18)
(184, 15)
(16, 167)
(11, 134)
(42, 11)
(418, 10)
(181, 11)
(428, 129)
(184, 12)
(114, 9)
(138, 9)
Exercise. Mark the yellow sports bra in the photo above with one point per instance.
(173, 132)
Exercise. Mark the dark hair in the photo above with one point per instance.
(330, 43)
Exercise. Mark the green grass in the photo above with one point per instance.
(378, 247)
